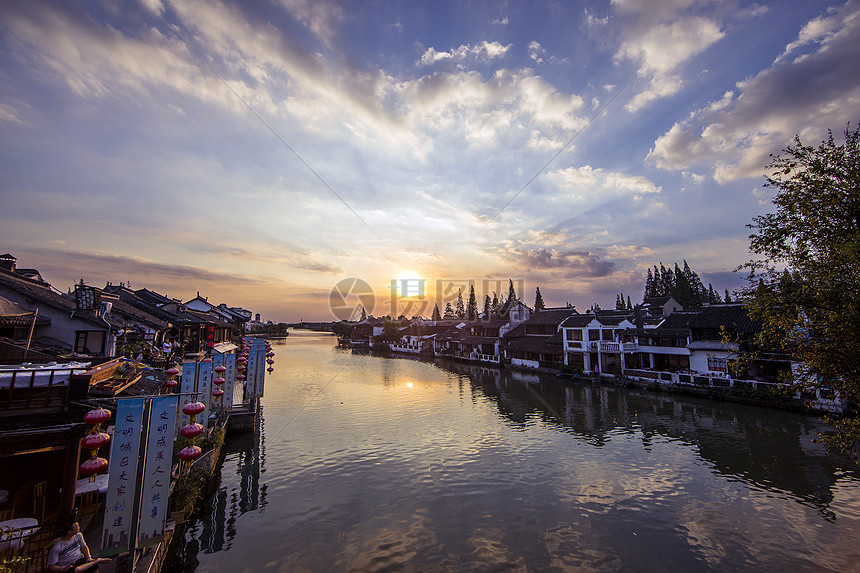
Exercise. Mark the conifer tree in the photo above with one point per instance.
(436, 315)
(495, 304)
(461, 309)
(472, 307)
(649, 286)
(619, 301)
(512, 294)
(629, 304)
(448, 310)
(363, 313)
(539, 305)
(728, 298)
(487, 306)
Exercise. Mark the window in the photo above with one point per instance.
(593, 334)
(574, 334)
(608, 335)
(89, 341)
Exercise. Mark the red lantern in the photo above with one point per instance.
(170, 383)
(218, 381)
(191, 430)
(172, 371)
(96, 417)
(217, 392)
(270, 369)
(207, 359)
(190, 453)
(270, 361)
(193, 408)
(93, 466)
(220, 368)
(240, 377)
(242, 360)
(94, 441)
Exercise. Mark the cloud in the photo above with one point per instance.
(587, 183)
(501, 21)
(580, 264)
(320, 17)
(536, 52)
(662, 49)
(810, 87)
(482, 52)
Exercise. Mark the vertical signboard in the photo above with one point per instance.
(204, 390)
(119, 499)
(155, 489)
(261, 366)
(187, 387)
(230, 380)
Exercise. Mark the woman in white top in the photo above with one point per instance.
(70, 553)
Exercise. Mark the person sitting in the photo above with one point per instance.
(70, 553)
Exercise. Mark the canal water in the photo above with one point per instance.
(365, 463)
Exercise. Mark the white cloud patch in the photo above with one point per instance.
(482, 52)
(536, 52)
(501, 21)
(661, 50)
(804, 94)
(587, 183)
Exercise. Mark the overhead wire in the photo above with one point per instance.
(560, 151)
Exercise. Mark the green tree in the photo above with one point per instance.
(448, 310)
(539, 305)
(472, 306)
(436, 315)
(495, 303)
(488, 306)
(390, 332)
(512, 294)
(363, 313)
(804, 286)
(461, 309)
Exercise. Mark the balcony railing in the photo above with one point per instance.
(821, 400)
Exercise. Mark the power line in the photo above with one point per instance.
(293, 151)
(559, 152)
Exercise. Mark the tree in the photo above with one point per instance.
(461, 310)
(512, 294)
(805, 285)
(629, 304)
(495, 303)
(363, 313)
(472, 307)
(539, 305)
(488, 306)
(436, 315)
(728, 298)
(448, 310)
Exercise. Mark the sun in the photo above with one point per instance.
(410, 284)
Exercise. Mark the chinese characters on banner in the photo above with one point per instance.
(256, 366)
(119, 500)
(229, 375)
(156, 473)
(187, 386)
(204, 390)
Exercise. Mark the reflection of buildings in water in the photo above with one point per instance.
(247, 456)
(772, 449)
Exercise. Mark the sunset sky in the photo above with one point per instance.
(262, 151)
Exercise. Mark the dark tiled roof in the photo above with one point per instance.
(732, 316)
(550, 317)
(578, 321)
